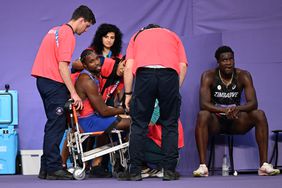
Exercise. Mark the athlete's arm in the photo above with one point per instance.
(245, 79)
(92, 93)
(65, 74)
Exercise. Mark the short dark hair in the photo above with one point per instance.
(84, 12)
(222, 49)
(85, 53)
(151, 25)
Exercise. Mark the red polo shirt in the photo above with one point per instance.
(156, 46)
(57, 45)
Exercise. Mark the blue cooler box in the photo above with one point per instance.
(8, 150)
(8, 134)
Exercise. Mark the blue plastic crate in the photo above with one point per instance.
(8, 150)
(8, 108)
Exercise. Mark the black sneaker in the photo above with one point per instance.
(42, 174)
(59, 175)
(170, 175)
(99, 172)
(126, 176)
(151, 173)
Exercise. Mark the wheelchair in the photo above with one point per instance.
(117, 148)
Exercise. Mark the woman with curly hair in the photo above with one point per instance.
(107, 41)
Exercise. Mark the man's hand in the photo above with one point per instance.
(232, 112)
(77, 101)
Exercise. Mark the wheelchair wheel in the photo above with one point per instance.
(78, 174)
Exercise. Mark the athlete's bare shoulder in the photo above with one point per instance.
(242, 73)
(208, 76)
(244, 76)
(209, 73)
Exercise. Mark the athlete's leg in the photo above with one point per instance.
(257, 119)
(124, 123)
(207, 124)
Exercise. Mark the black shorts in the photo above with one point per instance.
(225, 124)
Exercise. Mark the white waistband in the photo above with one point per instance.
(155, 66)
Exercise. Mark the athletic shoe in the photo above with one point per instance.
(59, 175)
(202, 171)
(42, 174)
(148, 172)
(99, 172)
(156, 173)
(170, 175)
(267, 170)
(145, 173)
(126, 176)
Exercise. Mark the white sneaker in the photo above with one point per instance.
(202, 171)
(267, 170)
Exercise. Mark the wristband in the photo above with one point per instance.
(128, 93)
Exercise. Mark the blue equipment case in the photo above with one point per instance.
(8, 134)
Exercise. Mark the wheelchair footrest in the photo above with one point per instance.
(103, 150)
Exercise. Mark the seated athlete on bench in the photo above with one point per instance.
(221, 111)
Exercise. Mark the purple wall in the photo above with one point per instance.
(253, 30)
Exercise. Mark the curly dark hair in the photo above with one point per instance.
(103, 30)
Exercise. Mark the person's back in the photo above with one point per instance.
(157, 46)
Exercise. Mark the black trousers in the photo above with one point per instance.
(152, 84)
(54, 96)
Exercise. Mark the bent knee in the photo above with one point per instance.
(258, 114)
(259, 118)
(203, 117)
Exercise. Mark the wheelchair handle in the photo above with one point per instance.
(68, 105)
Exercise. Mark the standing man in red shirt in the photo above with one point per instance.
(55, 87)
(157, 59)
